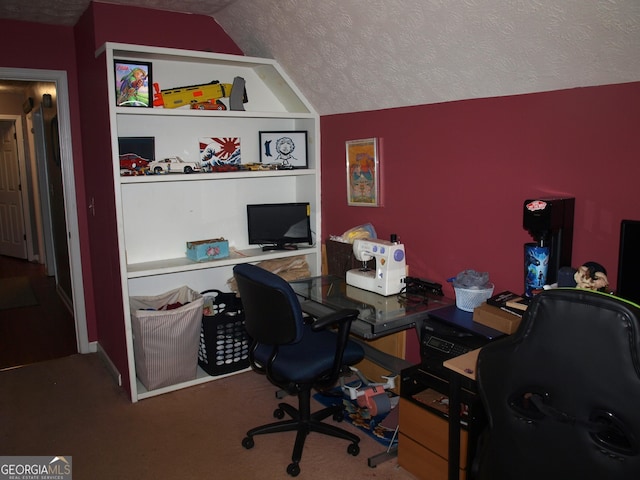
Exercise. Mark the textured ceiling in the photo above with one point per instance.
(354, 55)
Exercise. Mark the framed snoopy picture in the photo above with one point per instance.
(132, 82)
(284, 149)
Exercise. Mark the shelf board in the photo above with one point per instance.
(188, 112)
(183, 264)
(213, 176)
(177, 54)
(201, 377)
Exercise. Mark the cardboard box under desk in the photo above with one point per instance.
(496, 318)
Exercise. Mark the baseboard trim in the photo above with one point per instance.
(108, 363)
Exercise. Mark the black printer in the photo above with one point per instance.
(448, 332)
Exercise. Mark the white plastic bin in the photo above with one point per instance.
(468, 299)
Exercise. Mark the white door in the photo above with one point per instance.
(12, 233)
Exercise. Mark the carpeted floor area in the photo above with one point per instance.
(71, 406)
(41, 331)
(16, 292)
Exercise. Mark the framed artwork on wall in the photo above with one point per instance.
(363, 172)
(132, 81)
(288, 149)
(219, 153)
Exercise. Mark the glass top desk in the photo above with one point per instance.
(379, 315)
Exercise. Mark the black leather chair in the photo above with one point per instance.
(562, 394)
(295, 355)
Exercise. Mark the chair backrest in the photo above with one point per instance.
(272, 311)
(562, 394)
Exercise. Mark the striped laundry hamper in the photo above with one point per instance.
(166, 336)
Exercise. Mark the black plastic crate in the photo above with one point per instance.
(224, 342)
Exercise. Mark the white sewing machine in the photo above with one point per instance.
(388, 276)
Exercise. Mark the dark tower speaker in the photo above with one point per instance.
(628, 286)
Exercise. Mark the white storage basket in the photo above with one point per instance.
(165, 342)
(468, 299)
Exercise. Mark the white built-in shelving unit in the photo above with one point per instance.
(158, 214)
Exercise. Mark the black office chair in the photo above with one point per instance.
(562, 394)
(296, 356)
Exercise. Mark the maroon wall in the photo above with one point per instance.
(455, 176)
(73, 50)
(142, 26)
(25, 42)
(113, 23)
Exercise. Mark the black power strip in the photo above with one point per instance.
(419, 286)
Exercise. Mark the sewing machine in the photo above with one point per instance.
(388, 276)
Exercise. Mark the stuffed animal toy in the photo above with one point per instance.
(591, 276)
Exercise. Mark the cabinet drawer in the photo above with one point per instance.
(421, 462)
(429, 430)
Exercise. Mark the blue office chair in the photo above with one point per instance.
(562, 394)
(295, 355)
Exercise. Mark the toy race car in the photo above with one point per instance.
(173, 165)
(213, 104)
(132, 161)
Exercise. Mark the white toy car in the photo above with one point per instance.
(173, 165)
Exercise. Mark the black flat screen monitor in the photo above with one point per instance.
(279, 226)
(628, 286)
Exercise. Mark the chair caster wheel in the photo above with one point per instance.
(278, 413)
(353, 449)
(248, 443)
(338, 416)
(293, 469)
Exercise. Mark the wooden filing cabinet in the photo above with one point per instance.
(423, 443)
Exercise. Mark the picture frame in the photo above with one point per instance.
(136, 153)
(363, 173)
(286, 149)
(219, 153)
(143, 146)
(133, 80)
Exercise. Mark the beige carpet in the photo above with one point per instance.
(71, 406)
(16, 292)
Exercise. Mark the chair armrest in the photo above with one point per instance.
(338, 317)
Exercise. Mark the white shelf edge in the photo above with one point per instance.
(183, 264)
(176, 54)
(186, 177)
(188, 112)
(201, 377)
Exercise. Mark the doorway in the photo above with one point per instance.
(12, 240)
(63, 133)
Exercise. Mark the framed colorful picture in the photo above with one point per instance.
(133, 80)
(363, 175)
(136, 153)
(220, 153)
(286, 149)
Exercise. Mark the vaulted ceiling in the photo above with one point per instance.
(355, 55)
